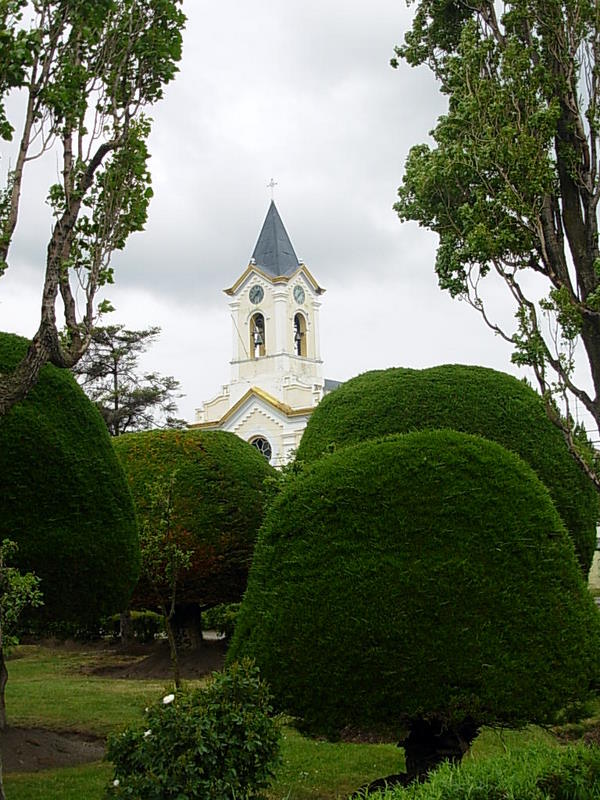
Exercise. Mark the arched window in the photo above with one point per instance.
(257, 336)
(263, 446)
(300, 335)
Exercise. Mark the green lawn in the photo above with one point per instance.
(50, 688)
(46, 688)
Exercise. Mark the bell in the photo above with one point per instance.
(298, 335)
(258, 337)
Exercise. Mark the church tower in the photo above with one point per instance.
(276, 368)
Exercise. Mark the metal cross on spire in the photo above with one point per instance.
(271, 185)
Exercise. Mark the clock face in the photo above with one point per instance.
(256, 294)
(299, 294)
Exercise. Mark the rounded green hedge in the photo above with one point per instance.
(218, 499)
(469, 399)
(425, 575)
(64, 497)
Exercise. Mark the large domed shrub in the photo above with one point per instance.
(217, 504)
(64, 498)
(422, 581)
(469, 399)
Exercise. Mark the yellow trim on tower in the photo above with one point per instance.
(272, 279)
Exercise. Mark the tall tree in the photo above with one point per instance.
(87, 72)
(128, 399)
(512, 183)
(164, 559)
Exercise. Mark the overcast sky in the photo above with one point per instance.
(300, 91)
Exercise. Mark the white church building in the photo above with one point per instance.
(276, 367)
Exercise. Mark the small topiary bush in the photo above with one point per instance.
(572, 773)
(64, 499)
(419, 581)
(468, 399)
(217, 504)
(219, 742)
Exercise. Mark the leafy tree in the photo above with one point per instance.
(512, 183)
(109, 374)
(87, 72)
(420, 584)
(164, 559)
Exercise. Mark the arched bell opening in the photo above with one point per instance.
(257, 336)
(300, 335)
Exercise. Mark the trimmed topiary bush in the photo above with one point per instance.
(64, 498)
(469, 399)
(217, 504)
(423, 583)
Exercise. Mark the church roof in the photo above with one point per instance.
(274, 253)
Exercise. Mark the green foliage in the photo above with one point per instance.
(217, 505)
(219, 741)
(64, 498)
(469, 399)
(164, 559)
(510, 182)
(86, 73)
(145, 625)
(421, 575)
(110, 375)
(165, 556)
(539, 773)
(18, 591)
(221, 618)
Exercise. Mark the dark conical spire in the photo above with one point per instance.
(274, 253)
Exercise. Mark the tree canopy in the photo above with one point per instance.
(417, 579)
(65, 499)
(215, 507)
(465, 398)
(128, 399)
(87, 72)
(512, 182)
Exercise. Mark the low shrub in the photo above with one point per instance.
(221, 619)
(218, 742)
(539, 773)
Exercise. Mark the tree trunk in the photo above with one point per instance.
(429, 743)
(126, 629)
(3, 680)
(173, 649)
(425, 747)
(2, 795)
(187, 624)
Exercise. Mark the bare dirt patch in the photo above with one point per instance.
(153, 661)
(34, 749)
